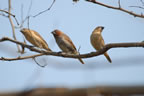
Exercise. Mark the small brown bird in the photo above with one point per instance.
(65, 43)
(34, 38)
(97, 40)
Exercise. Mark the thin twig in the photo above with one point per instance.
(27, 17)
(30, 6)
(46, 9)
(79, 48)
(7, 12)
(21, 24)
(38, 63)
(21, 58)
(23, 48)
(11, 15)
(12, 25)
(87, 55)
(116, 8)
(119, 3)
(137, 7)
(28, 23)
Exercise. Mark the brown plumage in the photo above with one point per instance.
(65, 43)
(97, 41)
(34, 38)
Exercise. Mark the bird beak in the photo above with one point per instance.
(21, 30)
(53, 32)
(102, 27)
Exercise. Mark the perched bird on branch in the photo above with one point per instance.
(65, 43)
(34, 38)
(97, 40)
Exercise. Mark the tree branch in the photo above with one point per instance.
(116, 8)
(137, 7)
(21, 58)
(90, 91)
(11, 22)
(11, 15)
(87, 55)
(7, 12)
(45, 10)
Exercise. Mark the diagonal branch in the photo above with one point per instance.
(33, 16)
(21, 58)
(7, 12)
(87, 55)
(11, 15)
(116, 8)
(46, 9)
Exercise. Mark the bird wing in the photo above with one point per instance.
(70, 41)
(102, 41)
(37, 34)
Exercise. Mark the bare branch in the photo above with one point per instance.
(27, 17)
(46, 9)
(20, 58)
(90, 91)
(116, 8)
(11, 22)
(137, 7)
(11, 15)
(79, 48)
(21, 14)
(87, 55)
(7, 12)
(38, 63)
(119, 3)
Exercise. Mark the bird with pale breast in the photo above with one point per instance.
(34, 38)
(97, 40)
(65, 43)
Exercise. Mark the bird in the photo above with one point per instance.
(65, 43)
(34, 38)
(97, 41)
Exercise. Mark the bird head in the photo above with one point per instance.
(98, 29)
(57, 33)
(24, 30)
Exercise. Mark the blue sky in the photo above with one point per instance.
(77, 20)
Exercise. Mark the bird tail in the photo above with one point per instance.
(108, 58)
(81, 60)
(48, 49)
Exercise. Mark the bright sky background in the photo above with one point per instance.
(77, 20)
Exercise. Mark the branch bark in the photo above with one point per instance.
(116, 8)
(11, 22)
(61, 54)
(92, 91)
